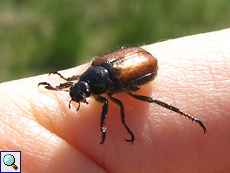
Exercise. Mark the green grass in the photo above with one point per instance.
(43, 35)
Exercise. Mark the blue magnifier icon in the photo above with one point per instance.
(9, 160)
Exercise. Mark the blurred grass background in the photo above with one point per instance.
(40, 36)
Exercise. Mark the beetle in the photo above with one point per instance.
(123, 70)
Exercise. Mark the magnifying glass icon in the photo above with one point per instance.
(9, 160)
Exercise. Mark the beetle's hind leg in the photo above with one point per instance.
(167, 106)
(74, 77)
(123, 117)
(59, 87)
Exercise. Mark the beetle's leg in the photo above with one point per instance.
(59, 87)
(103, 115)
(74, 77)
(170, 107)
(123, 117)
(133, 88)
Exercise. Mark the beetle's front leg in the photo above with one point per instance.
(59, 87)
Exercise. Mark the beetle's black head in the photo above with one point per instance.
(79, 91)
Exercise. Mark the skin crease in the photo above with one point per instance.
(193, 75)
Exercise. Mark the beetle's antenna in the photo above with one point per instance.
(70, 104)
(77, 107)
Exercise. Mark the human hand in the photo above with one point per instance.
(193, 75)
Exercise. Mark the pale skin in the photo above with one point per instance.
(193, 75)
